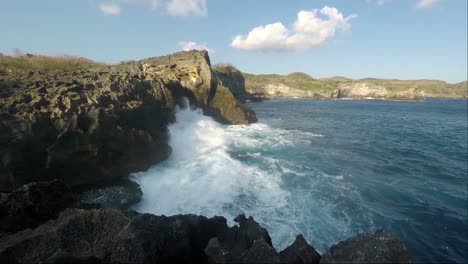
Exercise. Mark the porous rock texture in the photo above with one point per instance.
(380, 247)
(97, 125)
(104, 235)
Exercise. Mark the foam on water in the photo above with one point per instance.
(396, 165)
(200, 177)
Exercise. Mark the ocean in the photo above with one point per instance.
(327, 169)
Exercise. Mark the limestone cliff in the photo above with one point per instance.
(94, 125)
(303, 86)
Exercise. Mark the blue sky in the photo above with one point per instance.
(404, 39)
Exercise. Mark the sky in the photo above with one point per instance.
(402, 39)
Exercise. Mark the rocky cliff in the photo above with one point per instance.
(96, 235)
(303, 86)
(94, 125)
(231, 77)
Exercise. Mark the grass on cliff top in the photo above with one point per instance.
(303, 81)
(298, 80)
(226, 68)
(43, 63)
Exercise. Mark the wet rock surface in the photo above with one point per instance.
(300, 252)
(106, 235)
(379, 247)
(118, 195)
(34, 204)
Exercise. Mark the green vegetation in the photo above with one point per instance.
(296, 80)
(301, 81)
(225, 68)
(30, 62)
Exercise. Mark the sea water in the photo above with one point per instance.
(327, 169)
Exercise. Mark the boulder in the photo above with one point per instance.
(379, 247)
(34, 204)
(299, 252)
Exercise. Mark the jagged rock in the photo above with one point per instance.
(379, 247)
(99, 125)
(231, 244)
(300, 252)
(260, 252)
(160, 239)
(76, 236)
(34, 204)
(217, 253)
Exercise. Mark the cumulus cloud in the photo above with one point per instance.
(109, 9)
(310, 29)
(425, 4)
(172, 7)
(190, 45)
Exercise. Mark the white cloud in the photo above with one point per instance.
(152, 4)
(172, 7)
(378, 2)
(109, 9)
(425, 4)
(309, 30)
(187, 7)
(190, 45)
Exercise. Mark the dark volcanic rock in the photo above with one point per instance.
(228, 246)
(99, 125)
(300, 252)
(34, 204)
(260, 252)
(76, 236)
(160, 239)
(380, 247)
(113, 236)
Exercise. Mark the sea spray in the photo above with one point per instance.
(202, 178)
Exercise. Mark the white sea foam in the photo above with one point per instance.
(204, 176)
(200, 177)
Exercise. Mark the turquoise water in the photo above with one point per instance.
(328, 169)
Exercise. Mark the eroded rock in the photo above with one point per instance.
(300, 252)
(91, 126)
(34, 204)
(379, 247)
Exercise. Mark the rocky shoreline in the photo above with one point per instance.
(98, 125)
(69, 140)
(46, 223)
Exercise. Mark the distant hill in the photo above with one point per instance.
(300, 84)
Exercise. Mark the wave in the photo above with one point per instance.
(227, 170)
(201, 177)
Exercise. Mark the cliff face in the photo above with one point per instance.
(304, 86)
(90, 126)
(232, 78)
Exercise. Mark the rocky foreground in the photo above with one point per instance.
(46, 223)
